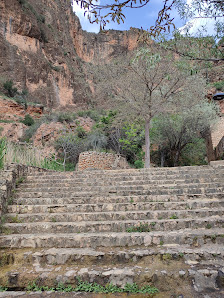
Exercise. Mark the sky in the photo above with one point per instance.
(142, 18)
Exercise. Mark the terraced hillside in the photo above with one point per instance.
(161, 226)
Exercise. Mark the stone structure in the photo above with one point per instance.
(214, 140)
(46, 57)
(101, 161)
(9, 178)
(159, 226)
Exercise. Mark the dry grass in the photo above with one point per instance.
(24, 154)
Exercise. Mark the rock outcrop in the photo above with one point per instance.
(44, 49)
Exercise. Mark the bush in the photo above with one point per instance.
(139, 164)
(10, 90)
(69, 146)
(96, 140)
(93, 114)
(28, 120)
(66, 117)
(219, 85)
(22, 2)
(30, 131)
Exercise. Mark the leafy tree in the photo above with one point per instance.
(131, 141)
(185, 125)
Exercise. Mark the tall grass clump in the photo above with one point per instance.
(2, 152)
(30, 156)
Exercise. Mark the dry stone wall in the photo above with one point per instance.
(101, 161)
(9, 177)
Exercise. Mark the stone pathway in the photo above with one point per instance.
(162, 226)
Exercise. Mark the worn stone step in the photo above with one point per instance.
(212, 254)
(197, 177)
(107, 207)
(121, 187)
(125, 191)
(207, 254)
(37, 199)
(120, 275)
(197, 238)
(116, 180)
(126, 172)
(113, 216)
(112, 226)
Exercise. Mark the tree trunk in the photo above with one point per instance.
(162, 158)
(147, 144)
(176, 158)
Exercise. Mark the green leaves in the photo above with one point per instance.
(87, 287)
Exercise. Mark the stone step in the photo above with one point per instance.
(122, 191)
(113, 216)
(55, 199)
(118, 181)
(113, 226)
(126, 177)
(132, 172)
(108, 207)
(117, 186)
(207, 254)
(195, 238)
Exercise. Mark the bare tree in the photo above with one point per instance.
(69, 147)
(114, 11)
(145, 85)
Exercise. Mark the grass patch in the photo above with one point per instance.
(141, 228)
(3, 289)
(14, 219)
(20, 180)
(174, 216)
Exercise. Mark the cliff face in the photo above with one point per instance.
(43, 49)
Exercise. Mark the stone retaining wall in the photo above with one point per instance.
(9, 177)
(101, 161)
(219, 150)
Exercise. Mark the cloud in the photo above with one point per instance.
(84, 19)
(199, 24)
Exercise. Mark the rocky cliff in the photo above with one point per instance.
(43, 49)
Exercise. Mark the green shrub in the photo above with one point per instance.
(22, 2)
(139, 164)
(10, 90)
(66, 117)
(43, 36)
(219, 85)
(93, 114)
(28, 120)
(30, 131)
(96, 140)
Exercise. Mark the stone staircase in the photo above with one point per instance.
(163, 226)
